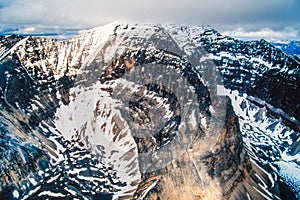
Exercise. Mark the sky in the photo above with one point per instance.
(240, 18)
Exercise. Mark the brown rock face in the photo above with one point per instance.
(223, 171)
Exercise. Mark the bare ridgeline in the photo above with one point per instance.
(128, 111)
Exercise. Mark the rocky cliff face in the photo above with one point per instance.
(129, 111)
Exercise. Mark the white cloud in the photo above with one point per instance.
(267, 33)
(27, 30)
(223, 15)
(97, 12)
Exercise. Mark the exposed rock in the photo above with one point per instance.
(140, 111)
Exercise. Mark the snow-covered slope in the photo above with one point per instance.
(139, 110)
(263, 84)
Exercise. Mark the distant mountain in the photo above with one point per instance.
(142, 111)
(290, 47)
(55, 33)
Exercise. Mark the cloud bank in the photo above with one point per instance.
(287, 32)
(224, 15)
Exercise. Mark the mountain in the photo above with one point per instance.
(142, 111)
(289, 47)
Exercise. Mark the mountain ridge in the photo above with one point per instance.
(99, 60)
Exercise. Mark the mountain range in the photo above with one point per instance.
(147, 111)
